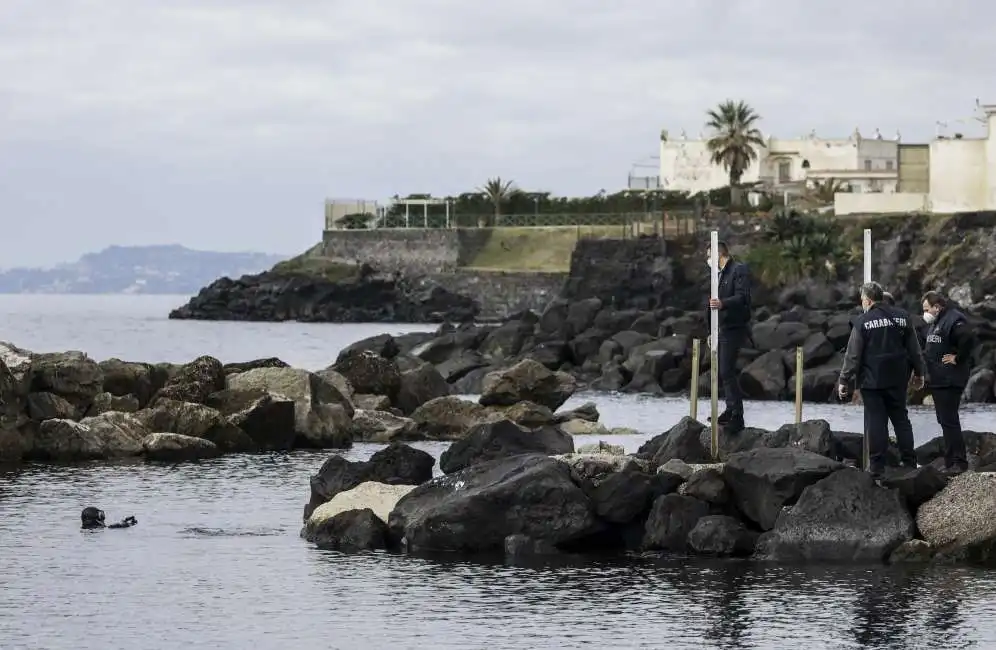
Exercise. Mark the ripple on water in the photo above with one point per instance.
(216, 562)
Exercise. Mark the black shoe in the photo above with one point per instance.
(723, 417)
(877, 472)
(734, 425)
(954, 469)
(910, 464)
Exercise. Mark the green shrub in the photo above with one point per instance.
(799, 245)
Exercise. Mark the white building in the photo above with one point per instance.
(948, 175)
(866, 164)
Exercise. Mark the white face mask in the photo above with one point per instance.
(928, 318)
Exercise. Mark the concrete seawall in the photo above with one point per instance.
(440, 255)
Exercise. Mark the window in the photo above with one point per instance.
(888, 165)
(868, 165)
(805, 164)
(784, 171)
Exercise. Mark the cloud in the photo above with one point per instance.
(226, 124)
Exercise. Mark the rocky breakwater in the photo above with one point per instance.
(631, 350)
(317, 291)
(68, 407)
(789, 495)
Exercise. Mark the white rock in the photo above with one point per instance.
(584, 428)
(602, 447)
(962, 514)
(379, 497)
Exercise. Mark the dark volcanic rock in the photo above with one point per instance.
(366, 297)
(477, 508)
(763, 481)
(672, 518)
(721, 535)
(352, 530)
(502, 439)
(396, 464)
(844, 517)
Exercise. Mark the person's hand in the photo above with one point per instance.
(949, 359)
(842, 391)
(715, 303)
(917, 383)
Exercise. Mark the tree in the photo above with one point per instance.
(498, 192)
(735, 138)
(823, 191)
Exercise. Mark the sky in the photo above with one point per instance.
(225, 124)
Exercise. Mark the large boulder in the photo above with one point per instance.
(49, 406)
(530, 381)
(368, 372)
(763, 481)
(321, 412)
(474, 510)
(449, 418)
(844, 517)
(672, 518)
(683, 441)
(197, 421)
(418, 386)
(502, 439)
(381, 426)
(378, 497)
(105, 402)
(132, 378)
(960, 522)
(396, 464)
(71, 375)
(350, 531)
(174, 448)
(193, 382)
(266, 418)
(721, 535)
(109, 435)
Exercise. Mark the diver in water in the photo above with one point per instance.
(94, 518)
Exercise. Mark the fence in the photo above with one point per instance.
(346, 213)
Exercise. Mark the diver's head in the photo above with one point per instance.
(92, 517)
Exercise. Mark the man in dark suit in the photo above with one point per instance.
(734, 306)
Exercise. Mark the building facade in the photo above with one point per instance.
(947, 175)
(865, 164)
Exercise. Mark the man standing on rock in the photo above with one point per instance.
(949, 356)
(882, 346)
(734, 308)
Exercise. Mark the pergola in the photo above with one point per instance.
(425, 203)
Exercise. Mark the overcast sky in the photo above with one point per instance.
(224, 124)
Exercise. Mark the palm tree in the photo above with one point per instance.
(823, 191)
(497, 191)
(735, 137)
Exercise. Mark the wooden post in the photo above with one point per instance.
(868, 278)
(693, 405)
(799, 363)
(714, 343)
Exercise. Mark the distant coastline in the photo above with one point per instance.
(136, 270)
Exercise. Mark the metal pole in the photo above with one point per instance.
(799, 364)
(714, 343)
(693, 406)
(867, 278)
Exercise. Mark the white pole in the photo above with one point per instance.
(868, 255)
(714, 337)
(868, 278)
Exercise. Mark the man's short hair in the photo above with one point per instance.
(872, 291)
(934, 299)
(723, 248)
(888, 298)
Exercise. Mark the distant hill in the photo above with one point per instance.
(170, 269)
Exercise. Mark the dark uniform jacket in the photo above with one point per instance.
(882, 350)
(734, 293)
(948, 335)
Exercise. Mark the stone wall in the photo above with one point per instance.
(501, 294)
(410, 250)
(628, 273)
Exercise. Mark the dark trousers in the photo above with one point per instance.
(883, 405)
(730, 342)
(946, 403)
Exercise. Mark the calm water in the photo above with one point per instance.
(215, 561)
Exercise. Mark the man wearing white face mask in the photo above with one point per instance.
(949, 355)
(882, 346)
